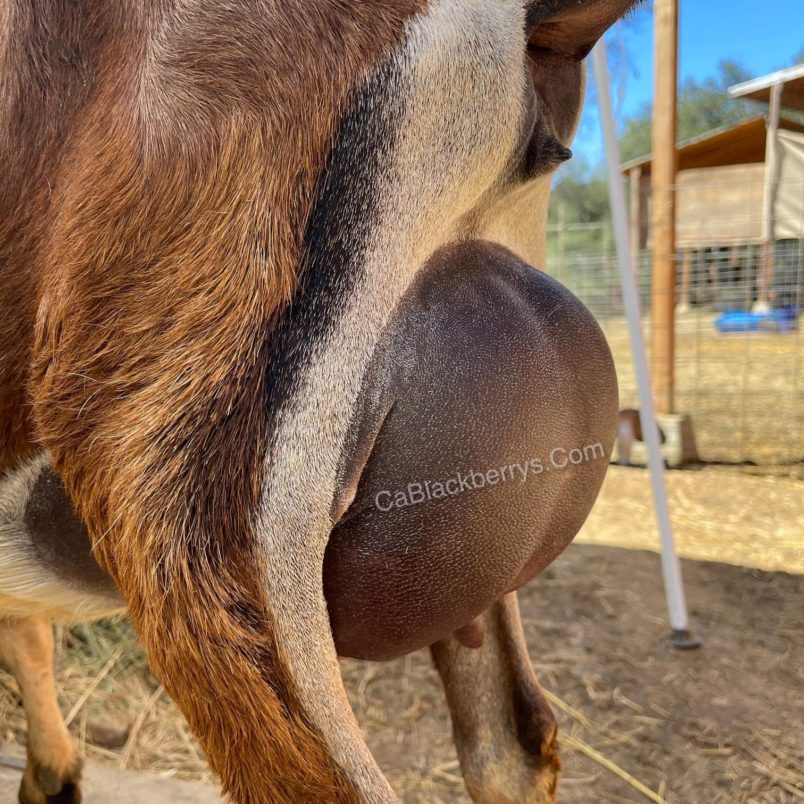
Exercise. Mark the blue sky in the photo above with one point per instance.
(709, 31)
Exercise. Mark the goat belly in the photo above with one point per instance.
(479, 445)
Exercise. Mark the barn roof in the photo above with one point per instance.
(759, 89)
(739, 144)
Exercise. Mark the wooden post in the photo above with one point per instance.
(635, 223)
(769, 201)
(663, 179)
(686, 270)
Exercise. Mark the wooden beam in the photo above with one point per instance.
(635, 223)
(771, 185)
(663, 203)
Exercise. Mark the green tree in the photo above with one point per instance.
(583, 193)
(580, 193)
(580, 196)
(702, 106)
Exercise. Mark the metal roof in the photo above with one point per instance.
(759, 89)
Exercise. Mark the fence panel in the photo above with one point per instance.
(743, 389)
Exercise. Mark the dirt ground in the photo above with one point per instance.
(738, 515)
(720, 724)
(100, 785)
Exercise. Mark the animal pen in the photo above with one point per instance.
(739, 278)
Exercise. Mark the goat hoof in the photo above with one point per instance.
(42, 784)
(511, 785)
(528, 776)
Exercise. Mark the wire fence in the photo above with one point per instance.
(739, 373)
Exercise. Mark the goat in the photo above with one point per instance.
(262, 272)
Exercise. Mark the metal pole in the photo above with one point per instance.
(680, 636)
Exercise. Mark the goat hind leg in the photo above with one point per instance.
(53, 772)
(504, 729)
(305, 638)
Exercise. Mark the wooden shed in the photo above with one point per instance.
(740, 186)
(721, 185)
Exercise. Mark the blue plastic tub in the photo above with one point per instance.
(781, 320)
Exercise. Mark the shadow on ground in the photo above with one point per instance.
(720, 724)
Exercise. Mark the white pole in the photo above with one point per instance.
(671, 568)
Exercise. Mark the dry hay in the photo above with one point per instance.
(104, 680)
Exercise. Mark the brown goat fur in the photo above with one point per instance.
(159, 187)
(210, 213)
